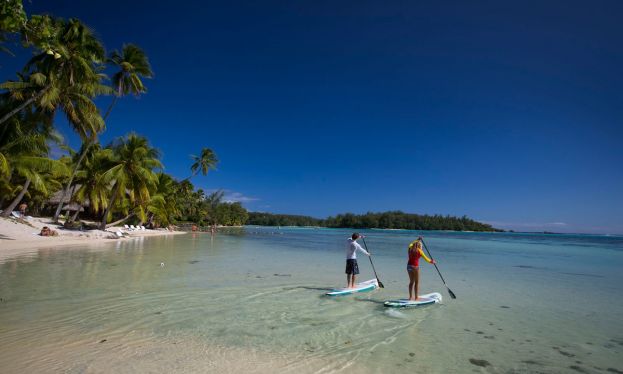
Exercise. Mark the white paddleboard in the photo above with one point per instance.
(427, 299)
(368, 285)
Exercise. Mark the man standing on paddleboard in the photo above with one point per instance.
(352, 269)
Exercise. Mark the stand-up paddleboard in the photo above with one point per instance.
(368, 285)
(427, 299)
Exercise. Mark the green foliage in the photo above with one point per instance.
(385, 220)
(206, 161)
(230, 214)
(269, 219)
(12, 16)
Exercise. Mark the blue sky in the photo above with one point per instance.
(508, 112)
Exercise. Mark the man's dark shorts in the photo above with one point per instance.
(352, 267)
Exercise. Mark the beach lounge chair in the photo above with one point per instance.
(16, 214)
(127, 227)
(132, 227)
(142, 228)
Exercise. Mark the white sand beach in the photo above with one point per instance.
(22, 236)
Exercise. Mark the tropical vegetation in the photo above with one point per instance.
(119, 182)
(384, 220)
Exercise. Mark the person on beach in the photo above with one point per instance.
(22, 209)
(46, 231)
(352, 269)
(413, 266)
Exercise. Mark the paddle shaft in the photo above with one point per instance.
(371, 263)
(438, 272)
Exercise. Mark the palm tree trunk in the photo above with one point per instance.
(109, 207)
(73, 219)
(121, 220)
(23, 105)
(114, 100)
(71, 179)
(6, 212)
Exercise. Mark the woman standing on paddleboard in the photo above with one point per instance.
(413, 266)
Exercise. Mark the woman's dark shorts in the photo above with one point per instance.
(352, 267)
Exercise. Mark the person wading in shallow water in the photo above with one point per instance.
(352, 269)
(413, 266)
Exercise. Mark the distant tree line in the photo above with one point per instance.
(384, 220)
(269, 219)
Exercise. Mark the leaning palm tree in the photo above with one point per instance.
(68, 62)
(24, 149)
(131, 173)
(64, 75)
(133, 66)
(206, 161)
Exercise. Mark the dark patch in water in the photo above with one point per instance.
(481, 363)
(411, 354)
(479, 332)
(282, 275)
(525, 266)
(499, 329)
(565, 353)
(578, 369)
(613, 370)
(489, 337)
(468, 330)
(532, 362)
(578, 362)
(608, 345)
(259, 276)
(589, 343)
(193, 261)
(103, 340)
(490, 323)
(158, 313)
(505, 307)
(584, 275)
(619, 342)
(529, 341)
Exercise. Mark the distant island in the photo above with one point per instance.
(383, 220)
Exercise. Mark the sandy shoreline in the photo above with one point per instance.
(17, 238)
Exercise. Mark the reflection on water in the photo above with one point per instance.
(252, 299)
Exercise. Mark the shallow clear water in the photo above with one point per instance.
(252, 300)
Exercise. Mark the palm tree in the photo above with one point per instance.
(89, 179)
(163, 204)
(24, 149)
(65, 74)
(132, 172)
(206, 161)
(133, 65)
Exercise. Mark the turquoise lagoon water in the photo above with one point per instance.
(252, 299)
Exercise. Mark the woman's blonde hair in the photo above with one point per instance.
(416, 243)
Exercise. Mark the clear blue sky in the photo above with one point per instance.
(508, 112)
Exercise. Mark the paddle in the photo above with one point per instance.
(452, 295)
(370, 257)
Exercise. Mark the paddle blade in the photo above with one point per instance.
(380, 284)
(452, 295)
